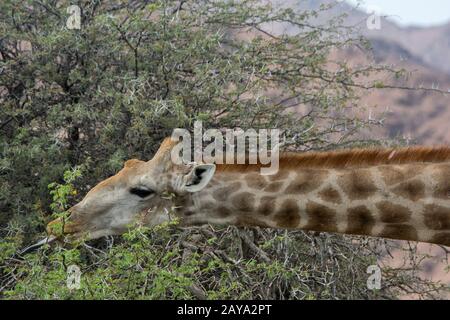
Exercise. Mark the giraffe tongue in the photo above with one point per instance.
(38, 244)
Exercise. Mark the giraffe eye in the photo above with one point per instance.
(142, 193)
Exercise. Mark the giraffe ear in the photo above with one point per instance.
(199, 177)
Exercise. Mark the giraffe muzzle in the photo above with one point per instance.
(64, 226)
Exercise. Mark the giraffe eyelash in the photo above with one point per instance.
(142, 193)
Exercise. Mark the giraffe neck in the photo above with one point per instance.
(401, 201)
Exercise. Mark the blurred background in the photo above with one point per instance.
(414, 35)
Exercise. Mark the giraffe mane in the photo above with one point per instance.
(351, 158)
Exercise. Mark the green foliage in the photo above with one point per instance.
(61, 192)
(164, 263)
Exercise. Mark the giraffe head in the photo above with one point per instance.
(141, 192)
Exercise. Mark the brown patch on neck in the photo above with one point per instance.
(306, 181)
(266, 206)
(395, 174)
(442, 177)
(413, 190)
(357, 184)
(255, 180)
(437, 217)
(393, 213)
(399, 231)
(244, 202)
(273, 187)
(223, 212)
(321, 218)
(353, 158)
(442, 238)
(330, 194)
(360, 221)
(288, 215)
(223, 193)
(249, 221)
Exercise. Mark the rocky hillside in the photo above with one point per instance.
(423, 117)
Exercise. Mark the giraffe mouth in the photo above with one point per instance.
(61, 227)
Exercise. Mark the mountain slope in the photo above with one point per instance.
(422, 116)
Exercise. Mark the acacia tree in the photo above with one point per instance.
(111, 90)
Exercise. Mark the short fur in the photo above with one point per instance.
(353, 158)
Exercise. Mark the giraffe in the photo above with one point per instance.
(399, 193)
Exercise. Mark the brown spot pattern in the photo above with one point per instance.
(393, 213)
(266, 206)
(273, 187)
(395, 174)
(391, 174)
(288, 215)
(442, 238)
(330, 194)
(255, 180)
(246, 220)
(437, 217)
(207, 205)
(306, 181)
(360, 221)
(244, 201)
(413, 190)
(357, 184)
(442, 178)
(222, 194)
(223, 212)
(399, 231)
(413, 170)
(321, 218)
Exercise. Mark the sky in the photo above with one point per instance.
(412, 12)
